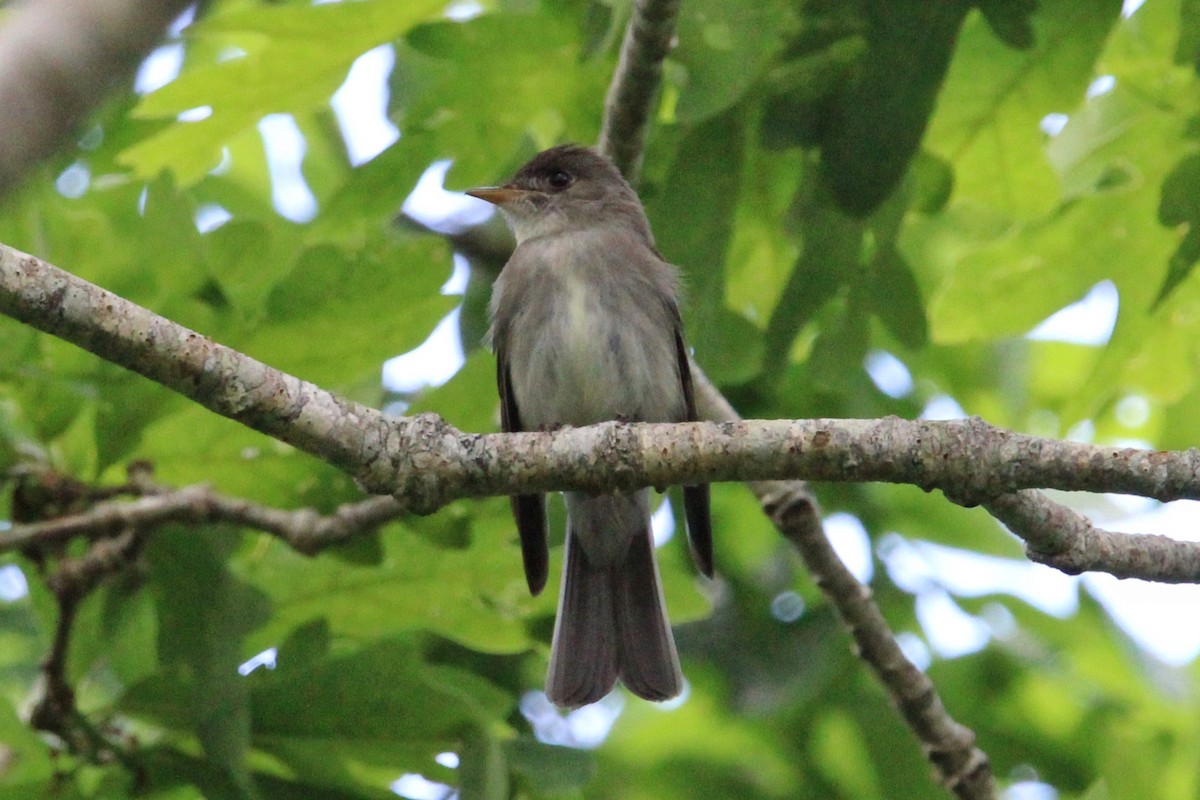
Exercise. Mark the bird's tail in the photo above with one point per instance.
(612, 620)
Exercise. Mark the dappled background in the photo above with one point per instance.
(909, 208)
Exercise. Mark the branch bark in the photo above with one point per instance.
(57, 58)
(960, 766)
(304, 530)
(425, 463)
(627, 107)
(1063, 538)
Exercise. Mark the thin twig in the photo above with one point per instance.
(70, 582)
(304, 530)
(960, 766)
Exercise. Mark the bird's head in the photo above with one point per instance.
(564, 189)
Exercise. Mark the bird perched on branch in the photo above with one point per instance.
(586, 328)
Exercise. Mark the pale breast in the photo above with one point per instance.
(593, 341)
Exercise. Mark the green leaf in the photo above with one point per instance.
(247, 261)
(1180, 206)
(204, 613)
(1187, 50)
(337, 316)
(547, 768)
(292, 58)
(474, 595)
(986, 123)
(692, 217)
(451, 97)
(174, 775)
(931, 183)
(1009, 286)
(842, 751)
(379, 705)
(764, 247)
(872, 128)
(27, 763)
(830, 258)
(838, 344)
(194, 445)
(893, 295)
(740, 356)
(306, 644)
(649, 739)
(483, 769)
(1010, 20)
(114, 636)
(126, 406)
(723, 49)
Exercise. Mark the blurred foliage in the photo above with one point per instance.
(835, 179)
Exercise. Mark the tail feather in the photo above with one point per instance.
(583, 653)
(649, 664)
(612, 618)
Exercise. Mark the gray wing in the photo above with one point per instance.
(529, 510)
(695, 498)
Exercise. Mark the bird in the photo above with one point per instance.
(586, 328)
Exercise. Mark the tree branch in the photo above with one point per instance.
(1060, 537)
(304, 530)
(635, 83)
(71, 581)
(425, 463)
(57, 58)
(961, 767)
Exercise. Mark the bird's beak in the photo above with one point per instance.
(497, 195)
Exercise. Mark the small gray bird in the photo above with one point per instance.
(586, 328)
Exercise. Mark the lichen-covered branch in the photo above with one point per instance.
(628, 106)
(1063, 538)
(56, 59)
(425, 463)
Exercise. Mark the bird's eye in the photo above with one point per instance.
(560, 179)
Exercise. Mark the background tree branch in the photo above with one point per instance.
(58, 59)
(304, 530)
(636, 82)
